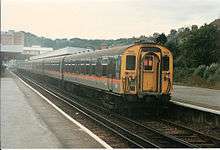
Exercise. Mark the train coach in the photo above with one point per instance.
(138, 73)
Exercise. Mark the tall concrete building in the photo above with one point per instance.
(12, 44)
(12, 38)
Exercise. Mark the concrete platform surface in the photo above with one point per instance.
(28, 121)
(202, 97)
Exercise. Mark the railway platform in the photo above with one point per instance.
(28, 121)
(203, 99)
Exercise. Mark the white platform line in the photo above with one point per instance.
(196, 107)
(103, 143)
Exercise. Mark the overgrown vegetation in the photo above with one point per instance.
(196, 55)
(202, 76)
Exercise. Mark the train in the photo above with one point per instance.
(140, 73)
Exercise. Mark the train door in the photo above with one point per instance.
(149, 72)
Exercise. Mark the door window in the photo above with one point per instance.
(148, 63)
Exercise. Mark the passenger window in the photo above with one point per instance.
(130, 62)
(87, 69)
(98, 68)
(77, 68)
(165, 63)
(148, 63)
(104, 70)
(93, 71)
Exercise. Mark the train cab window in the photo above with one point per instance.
(165, 63)
(130, 62)
(148, 63)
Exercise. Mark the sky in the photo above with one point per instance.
(104, 19)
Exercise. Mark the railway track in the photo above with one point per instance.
(176, 132)
(64, 103)
(137, 134)
(184, 133)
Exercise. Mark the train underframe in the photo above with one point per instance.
(115, 102)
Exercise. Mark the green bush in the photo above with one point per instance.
(203, 76)
(215, 77)
(182, 74)
(210, 70)
(199, 71)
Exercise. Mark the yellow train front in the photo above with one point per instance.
(147, 71)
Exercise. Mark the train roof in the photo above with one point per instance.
(61, 52)
(94, 54)
(100, 53)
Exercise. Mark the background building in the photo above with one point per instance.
(12, 44)
(12, 38)
(12, 47)
(36, 50)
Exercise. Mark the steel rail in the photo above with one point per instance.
(210, 140)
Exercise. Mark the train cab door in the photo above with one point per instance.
(149, 72)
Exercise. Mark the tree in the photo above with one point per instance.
(162, 39)
(194, 27)
(173, 32)
(200, 46)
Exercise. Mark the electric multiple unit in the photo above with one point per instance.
(137, 71)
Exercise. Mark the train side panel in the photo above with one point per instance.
(94, 73)
(51, 68)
